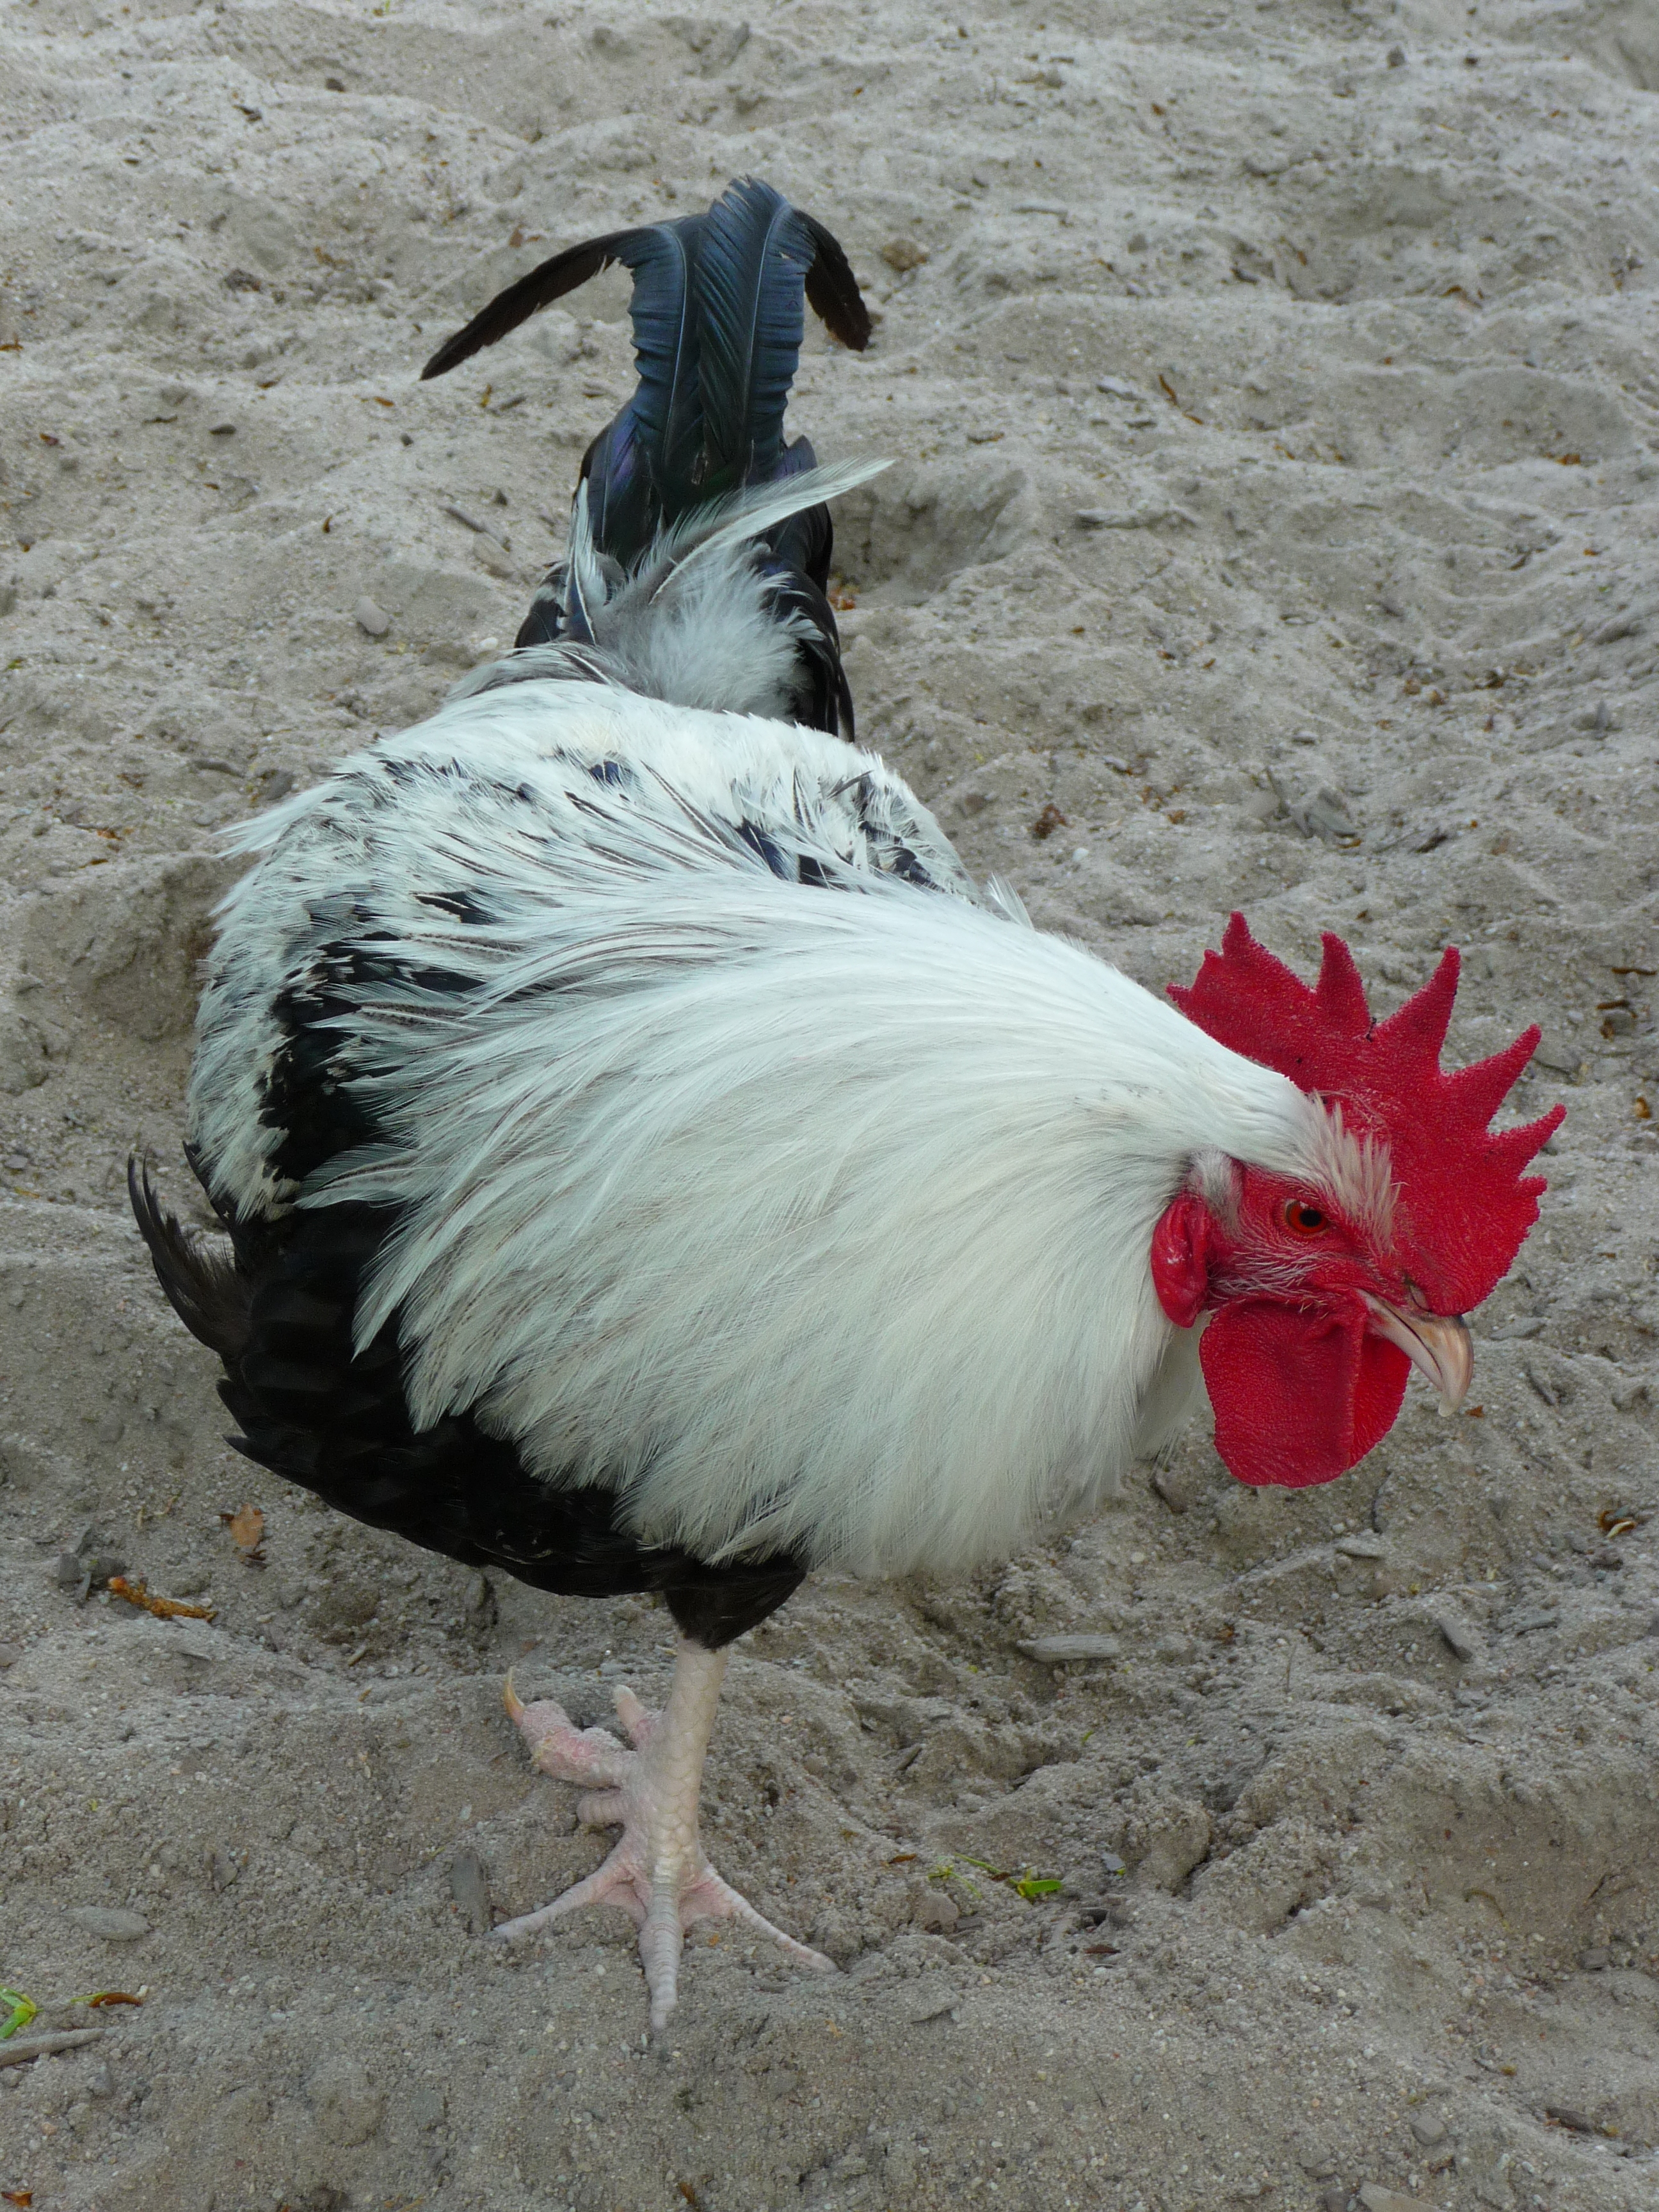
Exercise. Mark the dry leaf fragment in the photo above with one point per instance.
(246, 1526)
(164, 1608)
(18, 2195)
(1618, 1520)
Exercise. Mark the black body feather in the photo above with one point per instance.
(718, 321)
(277, 1307)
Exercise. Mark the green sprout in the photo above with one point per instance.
(1031, 1886)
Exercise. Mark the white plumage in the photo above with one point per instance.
(689, 624)
(809, 1219)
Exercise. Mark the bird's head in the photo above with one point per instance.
(1323, 1290)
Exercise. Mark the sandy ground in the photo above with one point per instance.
(1274, 399)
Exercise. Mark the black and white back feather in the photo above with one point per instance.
(534, 849)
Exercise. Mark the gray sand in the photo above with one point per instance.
(1276, 500)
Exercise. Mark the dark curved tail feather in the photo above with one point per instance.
(717, 319)
(204, 1285)
(549, 281)
(832, 290)
(752, 268)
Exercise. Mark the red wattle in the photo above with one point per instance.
(1299, 1397)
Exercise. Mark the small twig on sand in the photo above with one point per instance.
(164, 1608)
(23, 2049)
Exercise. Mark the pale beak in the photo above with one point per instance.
(1437, 1343)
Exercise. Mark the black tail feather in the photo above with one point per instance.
(750, 277)
(832, 290)
(717, 319)
(549, 281)
(204, 1285)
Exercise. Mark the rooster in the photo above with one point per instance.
(649, 1163)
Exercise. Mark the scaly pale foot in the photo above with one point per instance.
(658, 1872)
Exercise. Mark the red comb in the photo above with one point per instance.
(1463, 1205)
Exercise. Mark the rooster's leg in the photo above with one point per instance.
(658, 1871)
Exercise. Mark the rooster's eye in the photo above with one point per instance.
(1301, 1219)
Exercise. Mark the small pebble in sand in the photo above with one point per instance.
(935, 1912)
(1460, 1637)
(1361, 1545)
(1065, 1650)
(110, 1921)
(1163, 1482)
(469, 1884)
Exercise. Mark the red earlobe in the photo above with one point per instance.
(1180, 1259)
